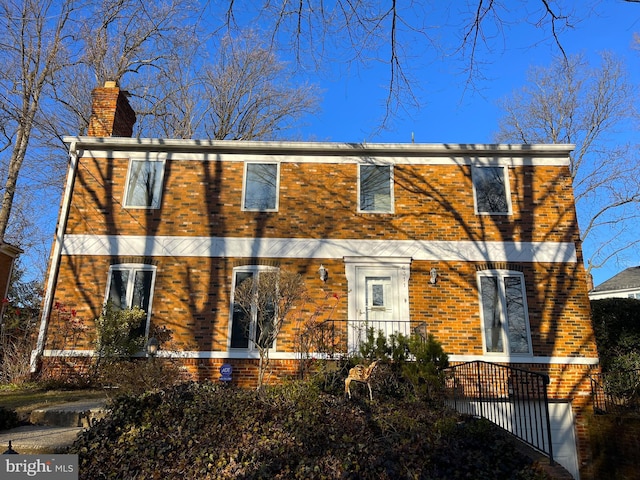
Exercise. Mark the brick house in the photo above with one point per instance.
(8, 255)
(479, 244)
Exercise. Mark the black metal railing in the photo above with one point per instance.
(338, 338)
(616, 392)
(513, 399)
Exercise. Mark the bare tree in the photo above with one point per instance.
(32, 50)
(241, 93)
(398, 34)
(248, 93)
(572, 102)
(266, 299)
(53, 54)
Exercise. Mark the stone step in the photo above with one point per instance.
(83, 413)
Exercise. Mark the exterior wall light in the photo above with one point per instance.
(434, 276)
(152, 347)
(324, 273)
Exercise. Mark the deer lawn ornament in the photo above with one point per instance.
(360, 374)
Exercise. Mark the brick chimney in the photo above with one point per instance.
(111, 114)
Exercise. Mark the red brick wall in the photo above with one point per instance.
(192, 298)
(320, 201)
(432, 202)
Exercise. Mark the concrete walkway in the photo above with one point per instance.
(31, 439)
(53, 428)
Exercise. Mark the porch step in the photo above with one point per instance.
(53, 428)
(83, 413)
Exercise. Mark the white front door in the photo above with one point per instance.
(378, 298)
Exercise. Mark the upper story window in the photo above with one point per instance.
(131, 285)
(261, 183)
(375, 189)
(491, 187)
(144, 184)
(505, 318)
(249, 322)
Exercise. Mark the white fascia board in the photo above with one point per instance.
(170, 246)
(295, 151)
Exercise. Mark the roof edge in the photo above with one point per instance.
(323, 148)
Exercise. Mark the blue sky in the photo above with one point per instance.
(353, 104)
(353, 101)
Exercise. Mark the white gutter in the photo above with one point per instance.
(55, 258)
(317, 148)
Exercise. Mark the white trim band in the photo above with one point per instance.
(526, 359)
(229, 247)
(251, 355)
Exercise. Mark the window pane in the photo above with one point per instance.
(145, 184)
(260, 188)
(118, 288)
(518, 336)
(491, 314)
(240, 321)
(491, 196)
(377, 293)
(142, 289)
(375, 188)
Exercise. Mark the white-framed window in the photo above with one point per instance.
(375, 188)
(144, 184)
(504, 313)
(131, 285)
(246, 324)
(261, 186)
(491, 190)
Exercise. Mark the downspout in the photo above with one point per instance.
(55, 258)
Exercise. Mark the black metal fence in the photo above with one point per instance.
(616, 392)
(338, 338)
(512, 398)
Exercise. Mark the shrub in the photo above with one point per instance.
(294, 431)
(616, 328)
(8, 418)
(119, 332)
(617, 331)
(134, 377)
(410, 364)
(18, 331)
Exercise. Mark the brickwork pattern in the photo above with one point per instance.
(432, 202)
(192, 299)
(111, 114)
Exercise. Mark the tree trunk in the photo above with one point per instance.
(15, 163)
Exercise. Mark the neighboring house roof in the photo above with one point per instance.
(10, 250)
(627, 280)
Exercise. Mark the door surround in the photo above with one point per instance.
(357, 269)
